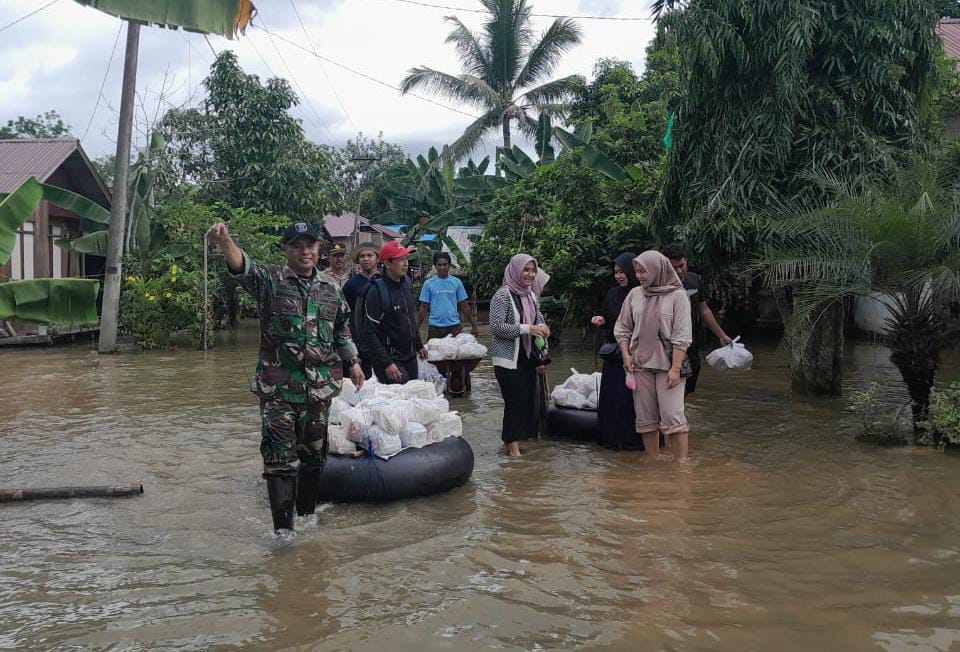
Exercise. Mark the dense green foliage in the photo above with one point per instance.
(48, 125)
(505, 73)
(243, 148)
(944, 422)
(776, 90)
(362, 169)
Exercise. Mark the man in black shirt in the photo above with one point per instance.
(699, 309)
(387, 329)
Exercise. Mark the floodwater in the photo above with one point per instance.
(782, 533)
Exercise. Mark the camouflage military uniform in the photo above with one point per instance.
(304, 338)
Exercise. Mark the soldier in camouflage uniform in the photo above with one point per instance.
(304, 340)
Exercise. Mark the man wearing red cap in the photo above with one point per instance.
(387, 328)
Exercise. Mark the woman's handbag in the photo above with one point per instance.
(685, 369)
(609, 350)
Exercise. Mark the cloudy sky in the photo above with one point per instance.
(58, 58)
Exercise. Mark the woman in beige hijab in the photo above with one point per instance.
(653, 333)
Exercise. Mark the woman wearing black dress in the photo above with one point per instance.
(615, 407)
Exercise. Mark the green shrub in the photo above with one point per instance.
(943, 424)
(878, 424)
(152, 309)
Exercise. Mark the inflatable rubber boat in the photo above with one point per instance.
(571, 423)
(411, 473)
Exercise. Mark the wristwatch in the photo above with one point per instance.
(354, 360)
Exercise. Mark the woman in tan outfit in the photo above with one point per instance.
(654, 332)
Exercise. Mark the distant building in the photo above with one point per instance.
(340, 227)
(948, 29)
(59, 162)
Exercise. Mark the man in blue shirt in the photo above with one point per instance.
(444, 297)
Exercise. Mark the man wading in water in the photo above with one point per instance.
(304, 340)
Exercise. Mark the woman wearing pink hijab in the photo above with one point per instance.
(654, 332)
(515, 322)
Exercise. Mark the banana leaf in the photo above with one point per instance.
(85, 208)
(50, 300)
(14, 211)
(543, 138)
(591, 156)
(95, 243)
(226, 17)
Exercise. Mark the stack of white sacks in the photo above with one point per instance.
(385, 419)
(579, 391)
(462, 347)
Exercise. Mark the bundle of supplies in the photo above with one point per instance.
(385, 419)
(579, 391)
(462, 347)
(732, 357)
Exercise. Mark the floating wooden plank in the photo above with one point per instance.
(52, 493)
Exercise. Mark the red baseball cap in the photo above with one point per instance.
(392, 249)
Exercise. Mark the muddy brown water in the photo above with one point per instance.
(782, 533)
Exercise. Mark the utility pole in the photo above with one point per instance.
(356, 216)
(118, 208)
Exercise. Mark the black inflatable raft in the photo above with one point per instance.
(408, 474)
(570, 423)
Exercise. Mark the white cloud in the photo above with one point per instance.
(382, 38)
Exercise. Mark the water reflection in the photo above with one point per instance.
(781, 533)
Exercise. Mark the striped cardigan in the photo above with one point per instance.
(506, 329)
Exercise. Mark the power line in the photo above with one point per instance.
(323, 68)
(483, 11)
(103, 83)
(273, 74)
(35, 11)
(364, 75)
(303, 93)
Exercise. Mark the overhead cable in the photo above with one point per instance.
(361, 74)
(323, 68)
(484, 11)
(35, 11)
(103, 83)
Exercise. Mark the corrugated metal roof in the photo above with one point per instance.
(341, 226)
(23, 158)
(949, 31)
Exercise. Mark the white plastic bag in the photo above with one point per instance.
(592, 401)
(568, 398)
(729, 358)
(389, 417)
(382, 443)
(348, 392)
(417, 389)
(414, 435)
(471, 350)
(448, 425)
(337, 441)
(429, 373)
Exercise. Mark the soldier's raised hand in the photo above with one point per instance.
(218, 234)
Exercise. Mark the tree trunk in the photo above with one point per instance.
(816, 351)
(915, 343)
(506, 132)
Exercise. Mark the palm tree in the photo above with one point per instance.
(898, 243)
(505, 73)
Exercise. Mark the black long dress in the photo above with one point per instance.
(615, 406)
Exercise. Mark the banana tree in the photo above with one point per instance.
(142, 236)
(227, 17)
(45, 300)
(430, 196)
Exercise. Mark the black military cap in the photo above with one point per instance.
(300, 229)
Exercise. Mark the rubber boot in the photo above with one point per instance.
(307, 488)
(282, 490)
